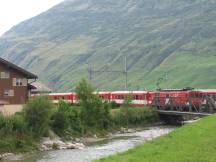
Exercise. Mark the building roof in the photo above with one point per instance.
(28, 74)
(40, 88)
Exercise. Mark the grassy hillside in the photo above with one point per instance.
(171, 38)
(191, 143)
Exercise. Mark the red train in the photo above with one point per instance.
(169, 99)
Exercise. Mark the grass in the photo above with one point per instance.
(192, 143)
(10, 143)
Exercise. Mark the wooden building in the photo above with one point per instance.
(14, 84)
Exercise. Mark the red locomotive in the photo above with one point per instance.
(167, 99)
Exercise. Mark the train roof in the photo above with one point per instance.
(61, 94)
(179, 90)
(206, 90)
(126, 92)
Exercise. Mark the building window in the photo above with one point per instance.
(9, 93)
(19, 82)
(5, 75)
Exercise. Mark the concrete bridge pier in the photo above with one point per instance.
(171, 119)
(176, 119)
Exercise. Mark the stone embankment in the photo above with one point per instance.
(47, 144)
(57, 144)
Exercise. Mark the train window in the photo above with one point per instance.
(120, 97)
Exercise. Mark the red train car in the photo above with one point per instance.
(171, 99)
(203, 100)
(106, 96)
(150, 97)
(67, 97)
(139, 98)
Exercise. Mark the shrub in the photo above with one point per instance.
(66, 119)
(137, 116)
(12, 125)
(60, 122)
(94, 112)
(37, 114)
(114, 105)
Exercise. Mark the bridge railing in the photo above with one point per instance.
(185, 104)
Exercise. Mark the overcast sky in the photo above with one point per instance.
(14, 11)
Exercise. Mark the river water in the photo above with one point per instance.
(116, 143)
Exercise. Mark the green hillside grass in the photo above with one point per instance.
(158, 37)
(191, 143)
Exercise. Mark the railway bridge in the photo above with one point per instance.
(180, 117)
(172, 112)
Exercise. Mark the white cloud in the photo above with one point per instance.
(14, 11)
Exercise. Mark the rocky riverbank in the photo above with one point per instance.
(56, 143)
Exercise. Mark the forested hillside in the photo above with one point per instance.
(174, 40)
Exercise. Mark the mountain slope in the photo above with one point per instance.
(170, 39)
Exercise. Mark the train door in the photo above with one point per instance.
(157, 99)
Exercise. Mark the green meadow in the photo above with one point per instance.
(191, 143)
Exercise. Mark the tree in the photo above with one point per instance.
(126, 108)
(94, 112)
(37, 114)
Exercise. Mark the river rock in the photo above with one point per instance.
(75, 145)
(79, 145)
(44, 148)
(70, 146)
(131, 131)
(48, 144)
(123, 130)
(9, 157)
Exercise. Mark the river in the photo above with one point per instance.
(116, 143)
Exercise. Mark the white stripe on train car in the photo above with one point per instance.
(75, 101)
(57, 101)
(139, 102)
(118, 101)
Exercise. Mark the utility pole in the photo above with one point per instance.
(166, 79)
(92, 72)
(126, 74)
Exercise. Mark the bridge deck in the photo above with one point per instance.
(182, 113)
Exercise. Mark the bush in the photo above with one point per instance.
(12, 125)
(114, 105)
(137, 116)
(37, 114)
(66, 119)
(94, 112)
(132, 116)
